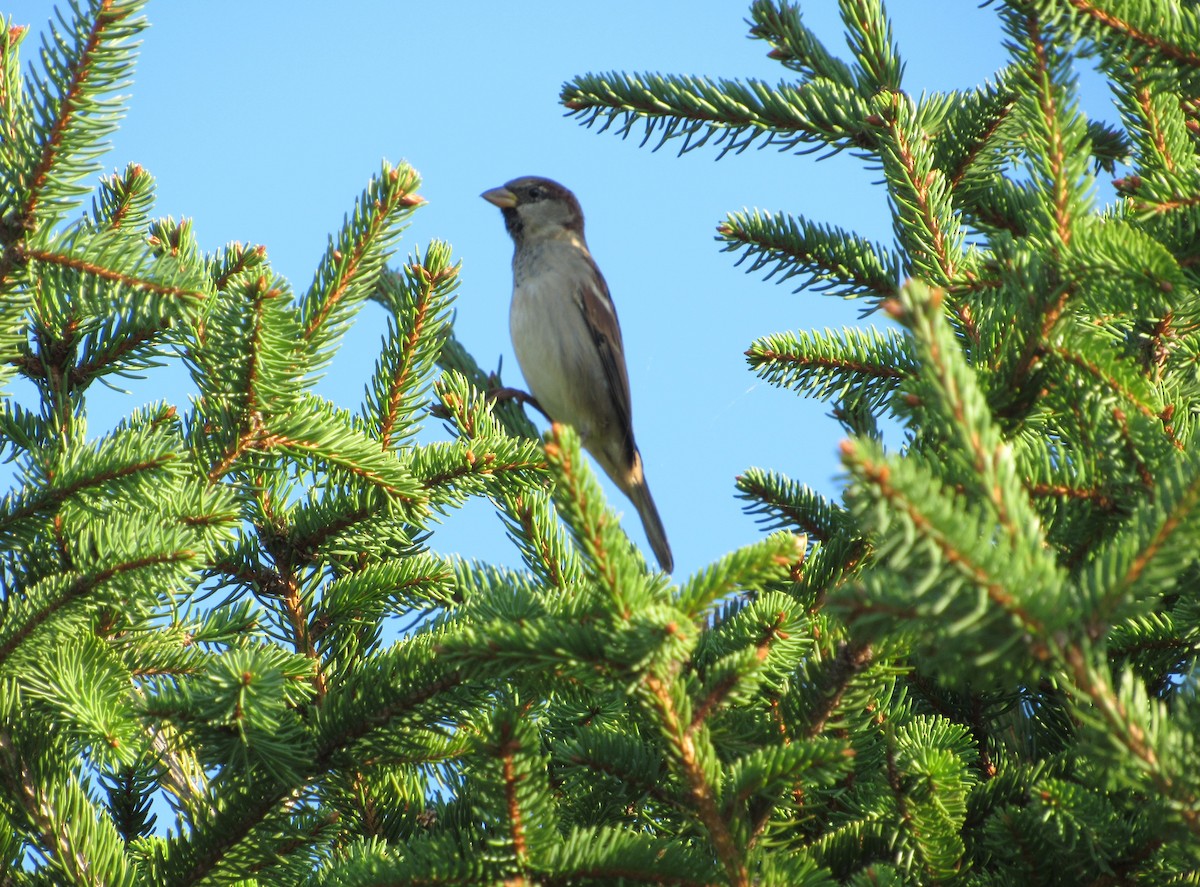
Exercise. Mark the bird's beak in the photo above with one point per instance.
(500, 197)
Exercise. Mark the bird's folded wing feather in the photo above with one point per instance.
(601, 318)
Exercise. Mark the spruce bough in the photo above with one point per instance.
(977, 668)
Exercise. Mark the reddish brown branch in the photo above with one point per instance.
(83, 586)
(920, 185)
(604, 565)
(1153, 122)
(878, 474)
(703, 800)
(57, 496)
(851, 659)
(378, 222)
(297, 615)
(77, 264)
(245, 258)
(762, 649)
(508, 749)
(1123, 728)
(956, 176)
(879, 371)
(1100, 498)
(71, 104)
(1057, 151)
(399, 383)
(1170, 50)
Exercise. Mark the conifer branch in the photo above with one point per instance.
(296, 612)
(419, 301)
(106, 272)
(879, 475)
(253, 431)
(1109, 380)
(683, 745)
(869, 364)
(351, 264)
(823, 257)
(1056, 148)
(927, 225)
(869, 32)
(1156, 126)
(1151, 205)
(507, 748)
(778, 556)
(475, 464)
(194, 855)
(238, 259)
(1143, 561)
(10, 86)
(124, 200)
(70, 843)
(578, 495)
(89, 68)
(1100, 497)
(945, 383)
(1138, 34)
(115, 356)
(244, 442)
(1003, 101)
(400, 381)
(738, 114)
(349, 722)
(794, 45)
(1034, 347)
(16, 509)
(453, 358)
(373, 474)
(850, 661)
(428, 579)
(653, 788)
(781, 501)
(719, 692)
(307, 544)
(79, 588)
(528, 511)
(1129, 441)
(1125, 727)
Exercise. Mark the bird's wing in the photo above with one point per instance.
(600, 315)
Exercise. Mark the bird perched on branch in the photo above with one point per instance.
(567, 339)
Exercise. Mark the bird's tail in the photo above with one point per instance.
(639, 494)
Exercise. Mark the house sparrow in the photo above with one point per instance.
(567, 339)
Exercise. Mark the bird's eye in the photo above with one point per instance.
(536, 193)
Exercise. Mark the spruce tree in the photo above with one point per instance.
(978, 668)
(1012, 587)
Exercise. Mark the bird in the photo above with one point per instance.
(567, 338)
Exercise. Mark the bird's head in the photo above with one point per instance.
(536, 208)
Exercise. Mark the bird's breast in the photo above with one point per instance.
(554, 346)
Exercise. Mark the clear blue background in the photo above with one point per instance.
(262, 121)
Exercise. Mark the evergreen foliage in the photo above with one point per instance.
(980, 668)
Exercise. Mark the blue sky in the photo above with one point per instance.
(262, 121)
